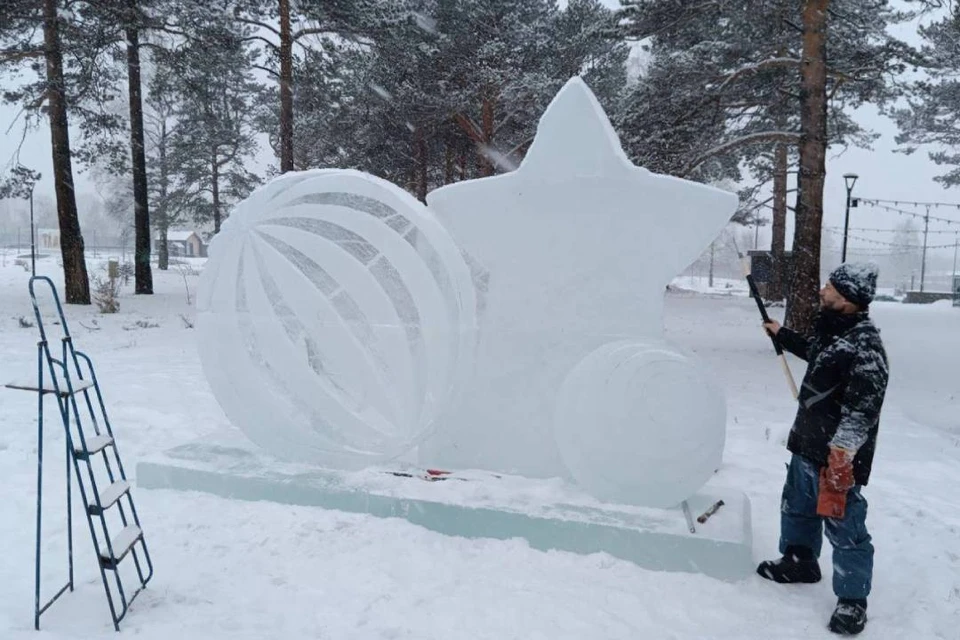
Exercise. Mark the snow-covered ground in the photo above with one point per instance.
(228, 569)
(701, 284)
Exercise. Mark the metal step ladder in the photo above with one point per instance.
(95, 460)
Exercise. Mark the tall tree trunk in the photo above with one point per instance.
(163, 248)
(486, 132)
(783, 106)
(420, 167)
(286, 89)
(76, 283)
(143, 276)
(215, 190)
(163, 219)
(448, 164)
(779, 228)
(804, 301)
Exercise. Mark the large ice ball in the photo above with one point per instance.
(638, 422)
(336, 318)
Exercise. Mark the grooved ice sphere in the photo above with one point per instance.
(336, 318)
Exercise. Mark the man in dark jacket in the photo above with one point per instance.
(835, 429)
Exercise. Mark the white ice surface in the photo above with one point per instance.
(623, 432)
(548, 515)
(335, 317)
(236, 570)
(578, 245)
(342, 325)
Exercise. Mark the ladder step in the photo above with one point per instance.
(109, 497)
(95, 444)
(23, 385)
(122, 545)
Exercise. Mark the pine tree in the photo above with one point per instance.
(865, 64)
(169, 201)
(761, 68)
(63, 50)
(215, 134)
(906, 250)
(123, 22)
(134, 21)
(282, 27)
(933, 105)
(455, 92)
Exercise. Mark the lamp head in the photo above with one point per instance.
(850, 179)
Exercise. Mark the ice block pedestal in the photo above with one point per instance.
(547, 513)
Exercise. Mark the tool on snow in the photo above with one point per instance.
(688, 516)
(709, 512)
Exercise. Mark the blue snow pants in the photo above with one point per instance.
(800, 525)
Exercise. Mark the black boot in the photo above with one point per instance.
(849, 617)
(798, 564)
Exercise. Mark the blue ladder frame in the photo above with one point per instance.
(68, 380)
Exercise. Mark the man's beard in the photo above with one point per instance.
(827, 306)
(833, 321)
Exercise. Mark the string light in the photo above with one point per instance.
(894, 230)
(914, 204)
(891, 244)
(913, 214)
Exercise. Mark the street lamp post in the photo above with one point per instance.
(956, 282)
(33, 235)
(21, 184)
(849, 179)
(956, 245)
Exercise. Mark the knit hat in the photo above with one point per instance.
(856, 281)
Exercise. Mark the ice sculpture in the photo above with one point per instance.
(335, 318)
(342, 324)
(639, 422)
(580, 245)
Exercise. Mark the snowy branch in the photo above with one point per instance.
(269, 43)
(852, 76)
(169, 29)
(153, 47)
(308, 32)
(469, 127)
(836, 87)
(670, 26)
(505, 121)
(257, 23)
(315, 31)
(845, 17)
(787, 137)
(270, 71)
(520, 146)
(793, 25)
(16, 56)
(769, 63)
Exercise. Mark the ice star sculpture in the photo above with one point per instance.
(573, 378)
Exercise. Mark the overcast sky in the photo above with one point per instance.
(882, 173)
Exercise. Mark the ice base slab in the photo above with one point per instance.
(548, 514)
